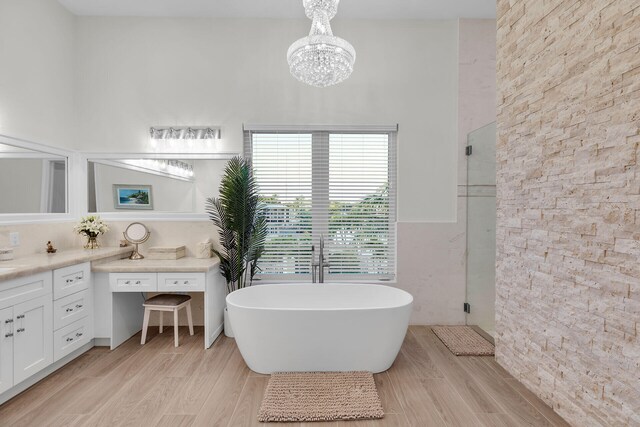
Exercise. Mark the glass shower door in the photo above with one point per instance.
(481, 227)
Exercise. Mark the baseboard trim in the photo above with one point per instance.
(484, 334)
(102, 342)
(215, 334)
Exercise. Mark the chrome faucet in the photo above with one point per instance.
(320, 265)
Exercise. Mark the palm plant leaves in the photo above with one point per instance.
(238, 214)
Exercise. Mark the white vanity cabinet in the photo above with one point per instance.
(120, 288)
(49, 318)
(72, 309)
(43, 318)
(26, 343)
(47, 311)
(6, 349)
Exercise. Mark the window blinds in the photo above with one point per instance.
(283, 169)
(339, 184)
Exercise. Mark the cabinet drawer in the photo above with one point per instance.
(72, 337)
(170, 282)
(71, 308)
(72, 279)
(23, 289)
(133, 282)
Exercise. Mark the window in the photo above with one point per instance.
(339, 184)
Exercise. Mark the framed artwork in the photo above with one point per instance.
(132, 196)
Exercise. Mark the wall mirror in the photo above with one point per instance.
(147, 184)
(32, 179)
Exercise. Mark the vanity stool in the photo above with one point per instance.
(167, 302)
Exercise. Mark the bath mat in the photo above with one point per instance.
(463, 341)
(320, 396)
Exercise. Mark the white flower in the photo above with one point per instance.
(91, 224)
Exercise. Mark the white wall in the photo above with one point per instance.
(37, 65)
(138, 72)
(431, 255)
(133, 73)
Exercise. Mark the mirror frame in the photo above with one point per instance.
(69, 158)
(143, 215)
(77, 187)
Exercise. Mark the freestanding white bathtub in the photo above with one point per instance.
(319, 327)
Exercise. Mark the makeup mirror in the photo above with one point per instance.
(136, 233)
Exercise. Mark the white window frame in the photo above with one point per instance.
(320, 141)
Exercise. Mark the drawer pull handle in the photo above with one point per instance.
(79, 334)
(20, 330)
(127, 282)
(137, 282)
(20, 316)
(186, 282)
(78, 305)
(69, 309)
(175, 282)
(69, 339)
(78, 277)
(8, 335)
(8, 321)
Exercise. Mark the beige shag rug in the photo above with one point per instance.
(320, 396)
(464, 341)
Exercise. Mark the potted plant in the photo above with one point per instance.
(91, 226)
(239, 215)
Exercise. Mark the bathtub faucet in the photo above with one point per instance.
(320, 265)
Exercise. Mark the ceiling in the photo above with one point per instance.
(355, 9)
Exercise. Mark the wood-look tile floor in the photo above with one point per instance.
(160, 385)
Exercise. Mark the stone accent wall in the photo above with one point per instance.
(568, 234)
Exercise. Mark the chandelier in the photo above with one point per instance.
(321, 59)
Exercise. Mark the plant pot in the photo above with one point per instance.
(228, 332)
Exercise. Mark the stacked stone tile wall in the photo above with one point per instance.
(568, 196)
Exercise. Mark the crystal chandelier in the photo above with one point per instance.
(321, 59)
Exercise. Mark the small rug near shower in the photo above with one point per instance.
(464, 341)
(320, 396)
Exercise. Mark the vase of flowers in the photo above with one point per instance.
(91, 226)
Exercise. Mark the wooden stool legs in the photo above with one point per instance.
(175, 326)
(145, 325)
(189, 319)
(162, 308)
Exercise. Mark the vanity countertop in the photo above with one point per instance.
(186, 265)
(38, 263)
